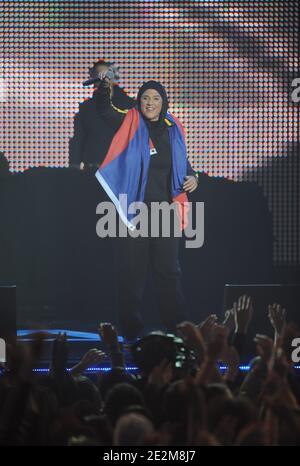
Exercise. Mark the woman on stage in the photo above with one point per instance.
(147, 160)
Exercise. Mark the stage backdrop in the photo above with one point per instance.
(227, 65)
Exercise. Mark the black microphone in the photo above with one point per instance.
(110, 75)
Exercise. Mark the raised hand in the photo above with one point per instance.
(191, 335)
(206, 327)
(59, 358)
(243, 312)
(93, 357)
(276, 314)
(109, 335)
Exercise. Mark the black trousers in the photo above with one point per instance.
(132, 256)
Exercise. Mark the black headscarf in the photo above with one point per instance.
(161, 90)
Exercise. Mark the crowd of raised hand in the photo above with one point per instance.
(213, 403)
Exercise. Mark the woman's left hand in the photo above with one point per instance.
(190, 184)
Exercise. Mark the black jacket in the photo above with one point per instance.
(92, 133)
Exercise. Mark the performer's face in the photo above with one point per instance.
(151, 104)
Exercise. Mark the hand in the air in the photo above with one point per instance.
(105, 82)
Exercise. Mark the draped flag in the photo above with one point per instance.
(124, 169)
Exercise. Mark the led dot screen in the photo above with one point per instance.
(227, 67)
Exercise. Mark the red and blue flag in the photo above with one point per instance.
(124, 169)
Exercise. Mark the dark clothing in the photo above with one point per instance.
(132, 256)
(158, 187)
(92, 133)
